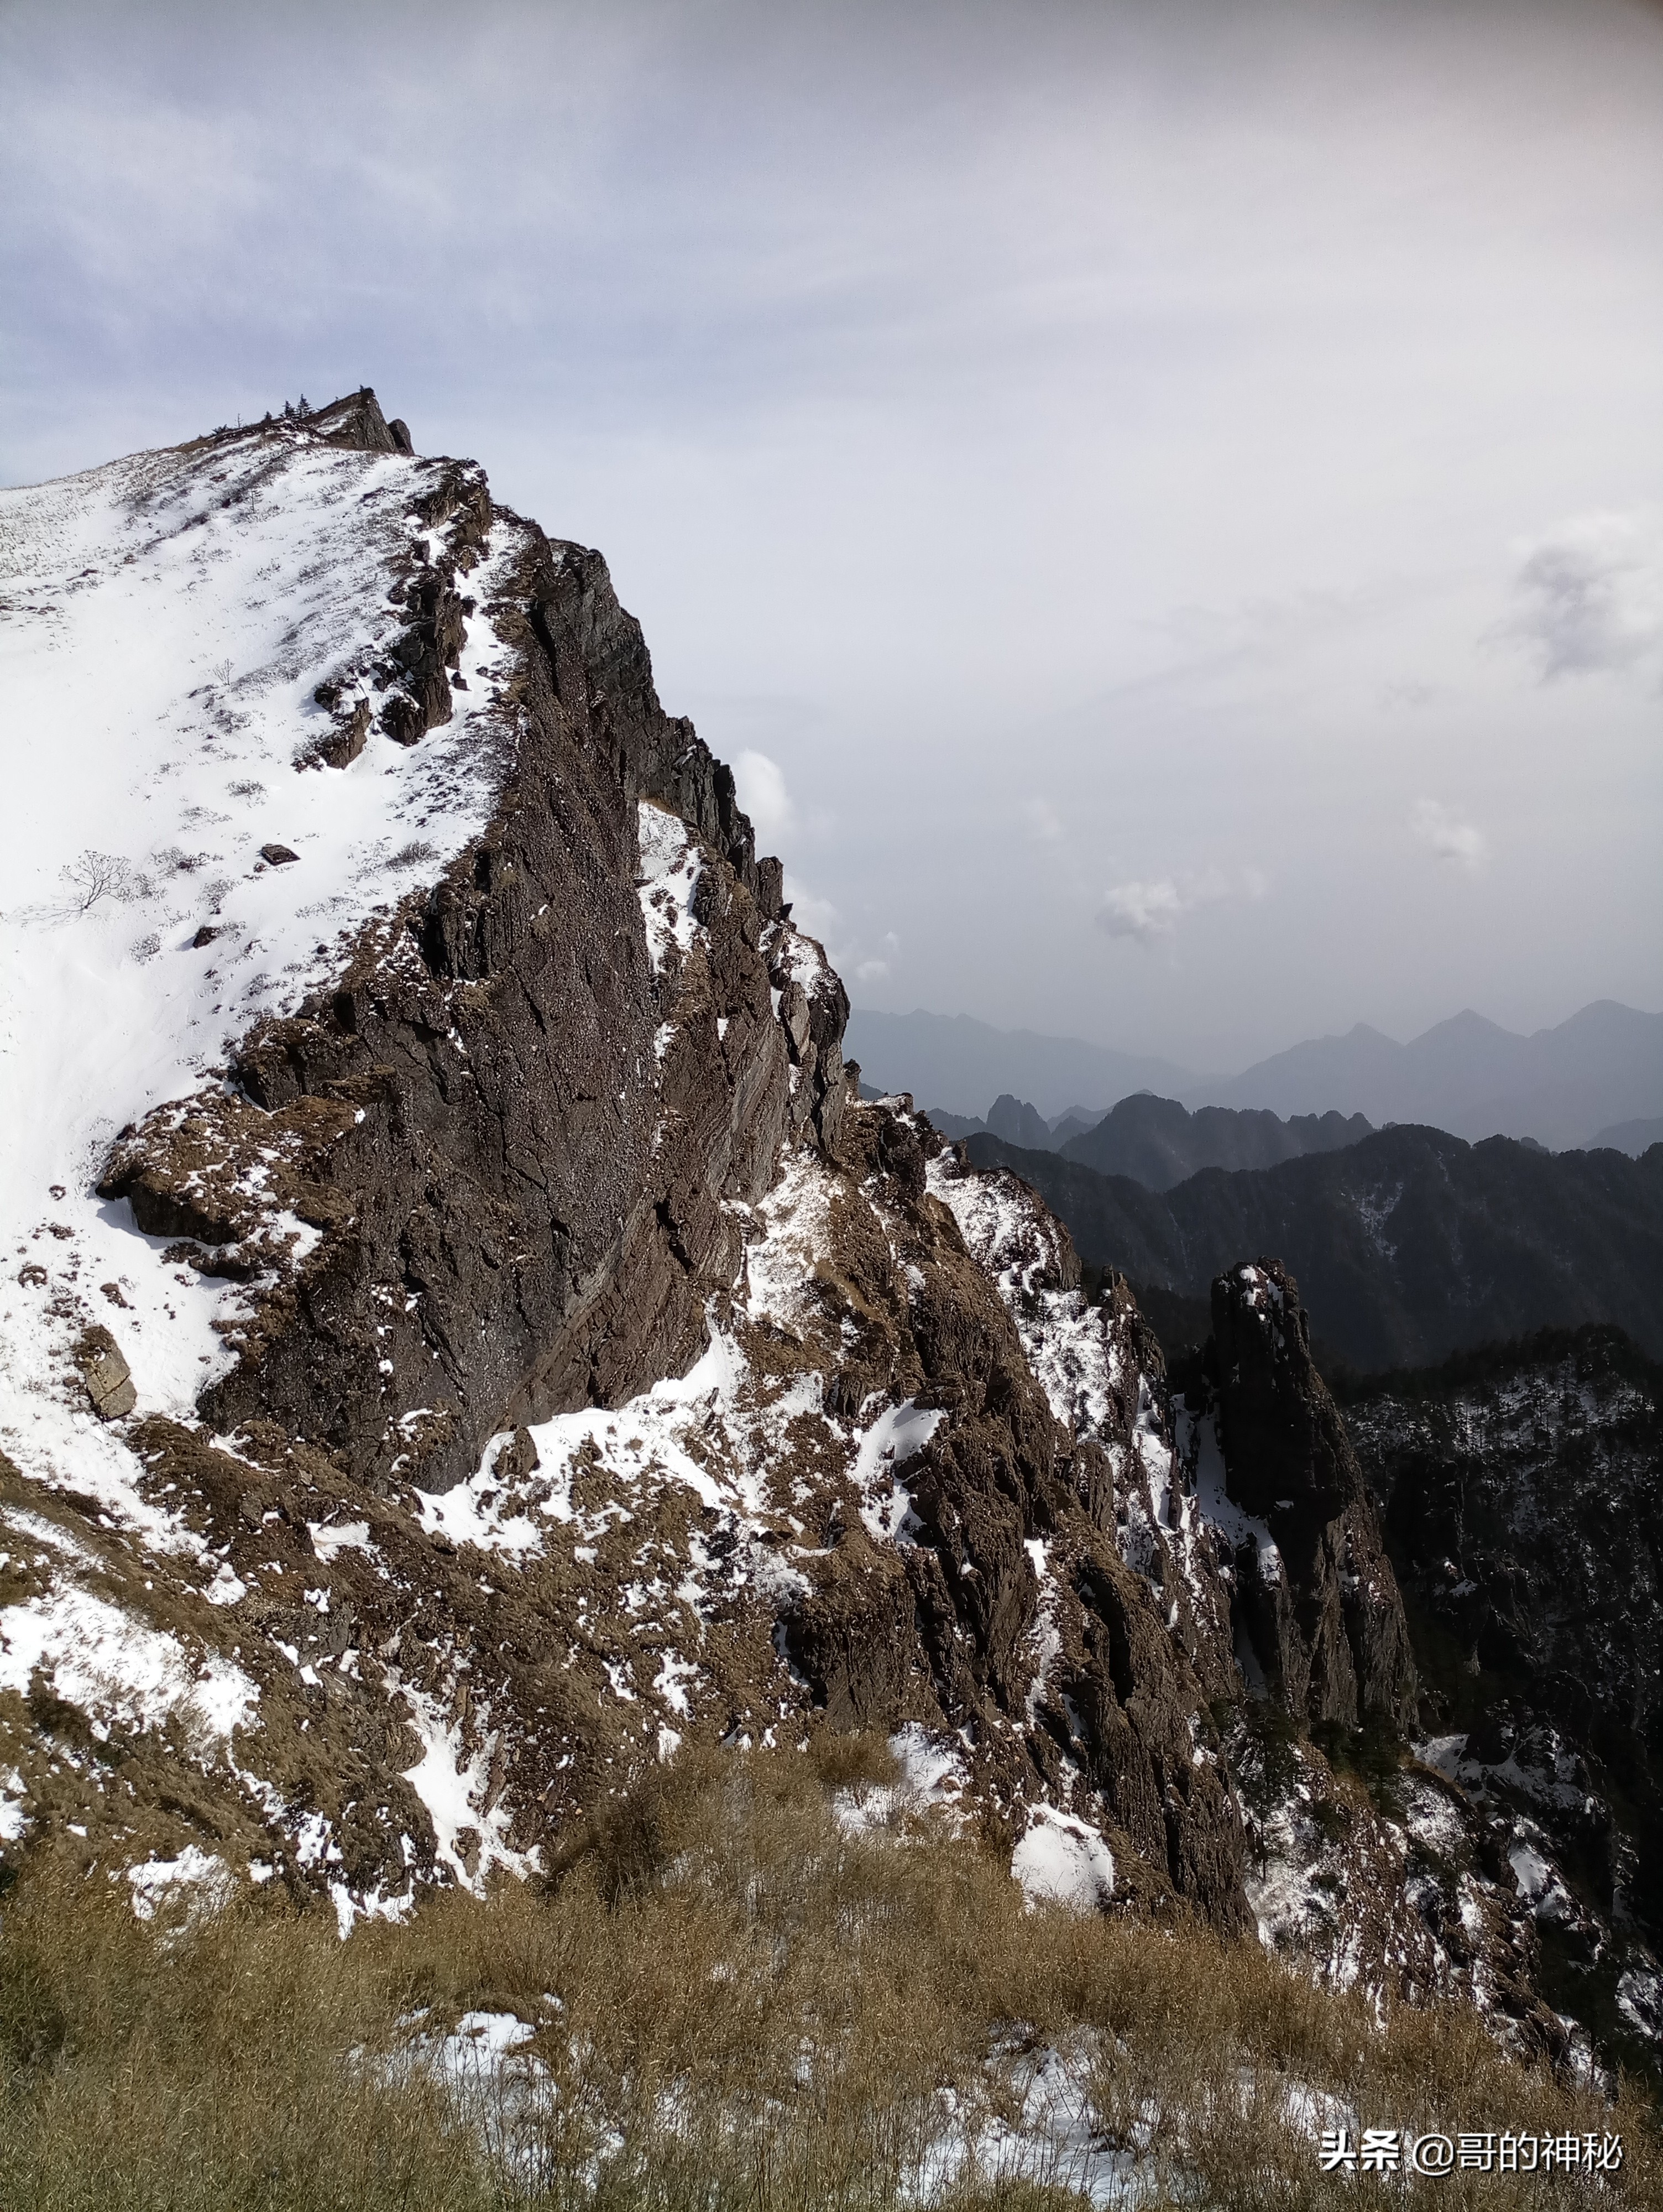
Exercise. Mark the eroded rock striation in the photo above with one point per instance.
(590, 1366)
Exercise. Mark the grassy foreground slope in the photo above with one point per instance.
(764, 1982)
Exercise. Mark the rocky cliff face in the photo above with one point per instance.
(514, 1114)
(1319, 1598)
(583, 1364)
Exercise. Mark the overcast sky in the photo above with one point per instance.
(1163, 503)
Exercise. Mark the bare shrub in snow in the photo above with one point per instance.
(95, 876)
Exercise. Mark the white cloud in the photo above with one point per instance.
(817, 917)
(1044, 825)
(1145, 911)
(762, 793)
(871, 972)
(1593, 593)
(1149, 911)
(1446, 836)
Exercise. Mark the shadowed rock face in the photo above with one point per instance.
(1329, 1629)
(1522, 1504)
(531, 1121)
(357, 421)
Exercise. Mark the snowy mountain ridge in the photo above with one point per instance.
(464, 1333)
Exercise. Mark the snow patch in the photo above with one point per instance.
(158, 1881)
(455, 1786)
(13, 1819)
(102, 1660)
(671, 864)
(331, 1538)
(933, 1779)
(1062, 1860)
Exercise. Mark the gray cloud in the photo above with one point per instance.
(1593, 593)
(1004, 422)
(1446, 836)
(1149, 912)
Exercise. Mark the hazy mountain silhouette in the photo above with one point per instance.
(1467, 1075)
(960, 1064)
(1630, 1137)
(1563, 1086)
(1157, 1143)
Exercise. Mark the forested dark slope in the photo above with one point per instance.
(1408, 1246)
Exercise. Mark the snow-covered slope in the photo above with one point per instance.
(164, 622)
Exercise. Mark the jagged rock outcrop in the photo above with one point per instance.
(534, 1150)
(357, 421)
(1003, 1600)
(935, 1493)
(1328, 1628)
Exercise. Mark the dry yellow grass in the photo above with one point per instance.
(737, 2005)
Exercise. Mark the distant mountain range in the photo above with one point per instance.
(1408, 1246)
(1156, 1141)
(961, 1063)
(1562, 1086)
(1630, 1137)
(1020, 1123)
(1596, 1079)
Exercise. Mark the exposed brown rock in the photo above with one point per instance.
(523, 1156)
(357, 421)
(942, 1624)
(104, 1371)
(350, 732)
